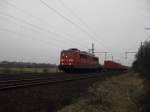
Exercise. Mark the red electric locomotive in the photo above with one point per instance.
(74, 60)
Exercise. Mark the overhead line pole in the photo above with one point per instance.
(92, 50)
(103, 53)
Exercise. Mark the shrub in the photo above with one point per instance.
(142, 62)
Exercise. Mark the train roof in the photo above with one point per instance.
(71, 49)
(81, 52)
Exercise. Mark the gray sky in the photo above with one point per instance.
(32, 32)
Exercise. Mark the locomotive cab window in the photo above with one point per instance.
(83, 56)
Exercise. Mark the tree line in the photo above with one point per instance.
(25, 64)
(142, 62)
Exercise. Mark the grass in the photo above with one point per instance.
(115, 94)
(27, 70)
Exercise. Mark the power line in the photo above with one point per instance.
(39, 19)
(72, 12)
(27, 13)
(35, 26)
(81, 20)
(61, 15)
(64, 17)
(31, 38)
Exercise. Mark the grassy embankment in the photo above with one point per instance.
(116, 94)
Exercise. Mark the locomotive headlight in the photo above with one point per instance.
(66, 56)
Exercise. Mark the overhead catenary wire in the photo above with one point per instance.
(81, 21)
(67, 19)
(73, 13)
(44, 22)
(76, 25)
(79, 18)
(35, 26)
(54, 45)
(31, 37)
(40, 28)
(66, 35)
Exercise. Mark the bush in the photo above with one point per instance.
(142, 62)
(115, 94)
(142, 65)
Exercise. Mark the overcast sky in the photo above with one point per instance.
(30, 31)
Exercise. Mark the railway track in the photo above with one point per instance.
(22, 83)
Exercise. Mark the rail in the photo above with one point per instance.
(12, 84)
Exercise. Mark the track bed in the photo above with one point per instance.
(48, 97)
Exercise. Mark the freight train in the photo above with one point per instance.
(74, 60)
(113, 66)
